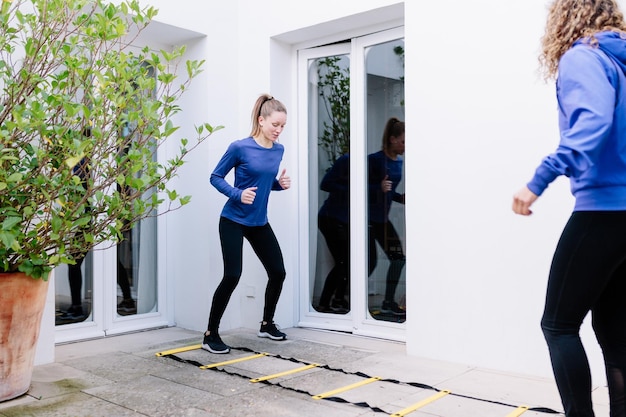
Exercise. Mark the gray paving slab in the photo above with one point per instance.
(276, 402)
(153, 396)
(71, 405)
(122, 376)
(46, 383)
(331, 355)
(211, 381)
(507, 388)
(121, 366)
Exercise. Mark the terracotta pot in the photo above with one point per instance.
(22, 301)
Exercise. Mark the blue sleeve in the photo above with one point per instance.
(338, 178)
(376, 173)
(276, 185)
(586, 99)
(229, 160)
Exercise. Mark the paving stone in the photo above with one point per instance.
(74, 405)
(153, 396)
(120, 366)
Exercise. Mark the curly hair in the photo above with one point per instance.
(571, 20)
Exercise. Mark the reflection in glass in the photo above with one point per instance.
(334, 224)
(77, 310)
(73, 296)
(137, 255)
(329, 130)
(384, 66)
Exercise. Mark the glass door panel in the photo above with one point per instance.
(329, 132)
(73, 292)
(137, 251)
(116, 285)
(354, 261)
(386, 230)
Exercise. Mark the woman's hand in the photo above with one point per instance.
(385, 184)
(284, 180)
(522, 200)
(247, 196)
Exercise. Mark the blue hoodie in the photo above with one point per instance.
(591, 94)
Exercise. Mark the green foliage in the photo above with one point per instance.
(334, 88)
(72, 92)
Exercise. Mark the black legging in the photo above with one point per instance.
(337, 236)
(265, 245)
(75, 278)
(387, 237)
(588, 273)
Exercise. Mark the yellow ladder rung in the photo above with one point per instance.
(518, 411)
(293, 371)
(178, 350)
(346, 388)
(420, 404)
(245, 358)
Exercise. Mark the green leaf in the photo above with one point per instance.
(10, 222)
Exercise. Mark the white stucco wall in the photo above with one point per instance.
(242, 62)
(479, 120)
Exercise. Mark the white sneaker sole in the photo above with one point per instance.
(208, 348)
(265, 334)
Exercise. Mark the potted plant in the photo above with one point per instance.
(82, 117)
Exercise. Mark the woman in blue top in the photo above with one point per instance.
(256, 160)
(384, 175)
(584, 48)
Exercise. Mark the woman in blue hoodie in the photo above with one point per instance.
(584, 48)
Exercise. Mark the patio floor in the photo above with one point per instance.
(313, 373)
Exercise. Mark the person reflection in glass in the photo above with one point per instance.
(76, 313)
(333, 221)
(384, 175)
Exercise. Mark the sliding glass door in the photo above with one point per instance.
(351, 111)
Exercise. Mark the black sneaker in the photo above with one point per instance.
(213, 343)
(75, 312)
(127, 306)
(340, 306)
(391, 307)
(270, 330)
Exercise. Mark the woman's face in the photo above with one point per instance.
(397, 144)
(273, 125)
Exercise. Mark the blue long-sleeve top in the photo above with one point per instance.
(337, 183)
(255, 166)
(591, 94)
(381, 166)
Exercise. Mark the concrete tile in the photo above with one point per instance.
(407, 369)
(511, 389)
(322, 382)
(75, 404)
(19, 401)
(119, 366)
(57, 379)
(600, 398)
(269, 366)
(332, 355)
(212, 381)
(121, 376)
(128, 343)
(451, 406)
(156, 397)
(275, 402)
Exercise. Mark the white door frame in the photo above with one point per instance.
(358, 320)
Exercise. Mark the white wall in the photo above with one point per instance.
(479, 121)
(242, 62)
